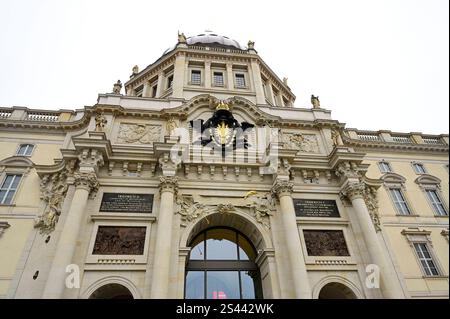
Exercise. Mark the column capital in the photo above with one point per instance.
(282, 187)
(87, 181)
(168, 184)
(353, 191)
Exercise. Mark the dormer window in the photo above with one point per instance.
(25, 150)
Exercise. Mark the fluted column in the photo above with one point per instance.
(85, 183)
(390, 284)
(161, 259)
(283, 189)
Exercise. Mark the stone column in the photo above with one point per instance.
(207, 74)
(283, 189)
(85, 183)
(256, 74)
(178, 76)
(390, 284)
(230, 78)
(159, 86)
(270, 95)
(163, 247)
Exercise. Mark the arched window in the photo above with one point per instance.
(111, 291)
(222, 266)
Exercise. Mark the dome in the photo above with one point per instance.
(213, 40)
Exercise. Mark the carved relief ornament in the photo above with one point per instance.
(168, 184)
(347, 169)
(138, 133)
(53, 189)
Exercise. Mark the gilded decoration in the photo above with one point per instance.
(138, 133)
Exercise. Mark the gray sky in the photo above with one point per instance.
(376, 64)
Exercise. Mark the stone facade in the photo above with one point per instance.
(262, 153)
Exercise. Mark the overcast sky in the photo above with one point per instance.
(376, 64)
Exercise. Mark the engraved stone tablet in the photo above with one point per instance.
(315, 208)
(127, 203)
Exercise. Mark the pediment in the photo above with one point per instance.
(393, 178)
(426, 179)
(17, 162)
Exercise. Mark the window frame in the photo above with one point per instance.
(427, 183)
(433, 204)
(424, 258)
(8, 190)
(235, 77)
(33, 146)
(418, 164)
(408, 206)
(418, 236)
(380, 167)
(200, 82)
(169, 81)
(213, 82)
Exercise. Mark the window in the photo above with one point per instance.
(425, 259)
(438, 206)
(9, 188)
(154, 90)
(240, 80)
(196, 77)
(139, 91)
(221, 266)
(385, 167)
(419, 168)
(218, 78)
(25, 150)
(169, 81)
(400, 202)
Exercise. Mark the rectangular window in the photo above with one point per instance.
(419, 168)
(218, 78)
(139, 91)
(169, 81)
(154, 90)
(400, 202)
(425, 259)
(438, 206)
(240, 80)
(196, 77)
(9, 188)
(385, 167)
(25, 150)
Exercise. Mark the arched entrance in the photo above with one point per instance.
(221, 265)
(335, 290)
(111, 291)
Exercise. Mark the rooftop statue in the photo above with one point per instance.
(315, 102)
(181, 38)
(117, 87)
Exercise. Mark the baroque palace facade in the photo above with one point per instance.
(203, 181)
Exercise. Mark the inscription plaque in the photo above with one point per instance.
(115, 240)
(315, 208)
(325, 243)
(127, 203)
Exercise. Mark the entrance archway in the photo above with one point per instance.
(111, 291)
(221, 265)
(335, 290)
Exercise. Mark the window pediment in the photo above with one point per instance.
(16, 162)
(427, 180)
(393, 179)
